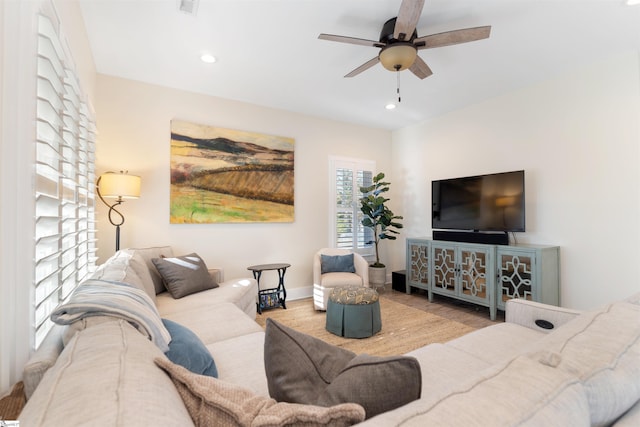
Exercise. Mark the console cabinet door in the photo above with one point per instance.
(515, 276)
(444, 269)
(476, 274)
(417, 264)
(531, 273)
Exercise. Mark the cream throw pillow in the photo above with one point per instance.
(213, 402)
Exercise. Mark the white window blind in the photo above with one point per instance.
(347, 176)
(64, 180)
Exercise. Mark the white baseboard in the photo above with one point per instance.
(299, 293)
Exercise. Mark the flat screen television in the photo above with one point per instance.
(493, 202)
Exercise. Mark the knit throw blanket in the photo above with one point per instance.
(115, 299)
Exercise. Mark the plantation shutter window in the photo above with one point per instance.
(347, 176)
(64, 180)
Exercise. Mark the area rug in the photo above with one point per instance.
(404, 328)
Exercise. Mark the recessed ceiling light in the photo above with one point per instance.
(390, 106)
(633, 2)
(208, 58)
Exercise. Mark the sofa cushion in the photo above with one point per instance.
(240, 360)
(443, 367)
(631, 418)
(43, 359)
(186, 349)
(240, 292)
(214, 402)
(215, 323)
(184, 275)
(337, 263)
(105, 376)
(331, 280)
(147, 255)
(602, 349)
(304, 369)
(502, 341)
(520, 392)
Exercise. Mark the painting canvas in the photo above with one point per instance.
(230, 176)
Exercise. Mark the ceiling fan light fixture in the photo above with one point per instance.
(398, 56)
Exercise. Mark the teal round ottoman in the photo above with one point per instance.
(353, 312)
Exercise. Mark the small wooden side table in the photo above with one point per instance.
(272, 297)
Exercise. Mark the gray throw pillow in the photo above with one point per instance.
(307, 370)
(184, 275)
(337, 264)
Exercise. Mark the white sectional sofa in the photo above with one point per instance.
(585, 371)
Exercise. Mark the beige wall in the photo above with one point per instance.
(577, 137)
(134, 132)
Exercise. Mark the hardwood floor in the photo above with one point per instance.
(460, 311)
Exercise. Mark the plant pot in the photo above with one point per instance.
(377, 277)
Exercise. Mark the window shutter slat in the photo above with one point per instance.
(64, 176)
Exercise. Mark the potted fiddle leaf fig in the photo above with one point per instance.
(381, 220)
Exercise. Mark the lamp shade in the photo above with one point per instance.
(398, 56)
(119, 185)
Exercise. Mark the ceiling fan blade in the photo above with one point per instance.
(449, 38)
(408, 16)
(350, 40)
(420, 68)
(370, 63)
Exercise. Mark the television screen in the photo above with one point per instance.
(493, 202)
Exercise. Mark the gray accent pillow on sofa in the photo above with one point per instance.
(184, 275)
(304, 369)
(337, 264)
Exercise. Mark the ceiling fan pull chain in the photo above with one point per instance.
(398, 85)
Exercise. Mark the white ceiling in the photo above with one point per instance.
(269, 53)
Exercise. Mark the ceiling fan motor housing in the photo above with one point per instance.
(386, 35)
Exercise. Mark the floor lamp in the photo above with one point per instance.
(119, 186)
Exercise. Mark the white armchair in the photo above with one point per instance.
(323, 283)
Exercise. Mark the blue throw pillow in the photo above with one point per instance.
(337, 263)
(186, 350)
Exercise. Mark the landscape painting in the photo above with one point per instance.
(230, 176)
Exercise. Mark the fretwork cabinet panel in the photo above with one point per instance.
(417, 264)
(464, 271)
(531, 272)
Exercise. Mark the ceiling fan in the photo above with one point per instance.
(399, 42)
